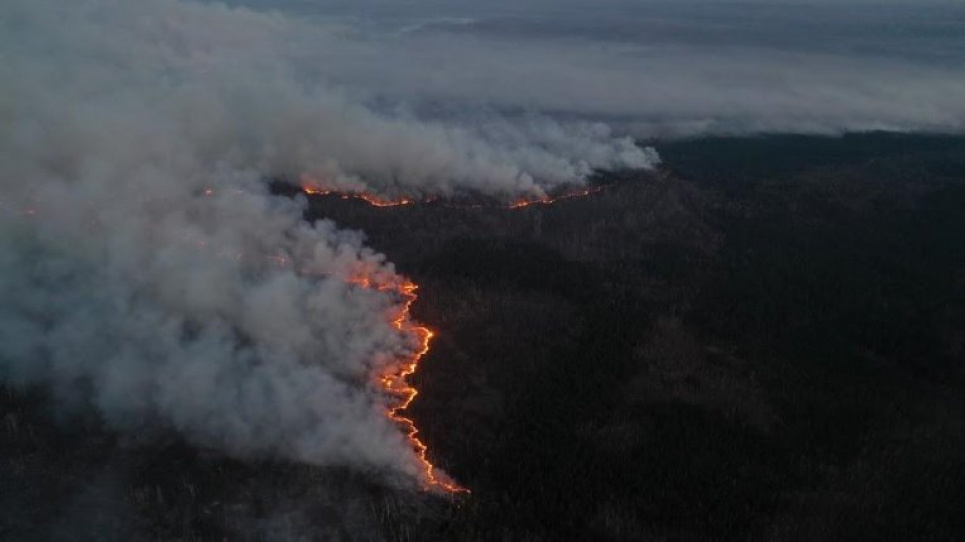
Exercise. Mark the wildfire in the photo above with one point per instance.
(376, 201)
(380, 201)
(395, 382)
(549, 200)
(367, 197)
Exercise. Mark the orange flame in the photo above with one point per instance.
(549, 200)
(395, 383)
(377, 201)
(313, 190)
(374, 200)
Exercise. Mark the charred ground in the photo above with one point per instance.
(763, 340)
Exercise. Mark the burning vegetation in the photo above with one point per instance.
(313, 188)
(394, 380)
(663, 334)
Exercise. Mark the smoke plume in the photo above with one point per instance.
(147, 273)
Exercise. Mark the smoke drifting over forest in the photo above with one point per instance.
(147, 271)
(192, 349)
(148, 274)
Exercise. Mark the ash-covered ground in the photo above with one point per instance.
(763, 340)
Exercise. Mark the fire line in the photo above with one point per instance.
(395, 381)
(374, 200)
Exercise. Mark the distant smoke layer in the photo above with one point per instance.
(146, 272)
(659, 67)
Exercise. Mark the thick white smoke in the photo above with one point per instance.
(146, 271)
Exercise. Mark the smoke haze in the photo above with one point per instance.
(656, 67)
(146, 271)
(148, 274)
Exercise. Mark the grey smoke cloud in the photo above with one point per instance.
(147, 273)
(660, 68)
